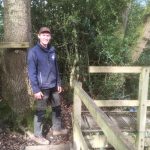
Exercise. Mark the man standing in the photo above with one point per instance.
(45, 82)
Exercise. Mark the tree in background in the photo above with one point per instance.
(92, 32)
(14, 77)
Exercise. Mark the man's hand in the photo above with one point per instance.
(38, 95)
(59, 89)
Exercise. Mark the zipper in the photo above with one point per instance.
(41, 78)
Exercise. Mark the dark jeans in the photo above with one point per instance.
(50, 96)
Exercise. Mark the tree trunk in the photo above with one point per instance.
(17, 28)
(16, 22)
(125, 17)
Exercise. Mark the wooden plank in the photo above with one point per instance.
(116, 103)
(14, 45)
(79, 137)
(97, 141)
(77, 107)
(112, 132)
(92, 131)
(91, 122)
(49, 147)
(113, 69)
(125, 122)
(141, 115)
(76, 118)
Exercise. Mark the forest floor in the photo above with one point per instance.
(16, 141)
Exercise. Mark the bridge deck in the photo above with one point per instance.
(49, 147)
(125, 120)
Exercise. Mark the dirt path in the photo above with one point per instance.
(16, 141)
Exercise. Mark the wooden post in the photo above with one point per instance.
(17, 36)
(112, 132)
(141, 114)
(76, 119)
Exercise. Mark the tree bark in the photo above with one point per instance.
(125, 17)
(17, 28)
(16, 22)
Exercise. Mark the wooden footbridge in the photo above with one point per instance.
(95, 128)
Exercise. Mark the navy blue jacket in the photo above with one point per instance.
(42, 68)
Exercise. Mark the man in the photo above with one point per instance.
(46, 85)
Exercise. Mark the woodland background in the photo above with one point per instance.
(88, 33)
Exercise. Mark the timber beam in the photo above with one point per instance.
(14, 45)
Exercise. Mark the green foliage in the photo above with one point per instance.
(7, 116)
(88, 32)
(91, 32)
(9, 119)
(144, 58)
(109, 87)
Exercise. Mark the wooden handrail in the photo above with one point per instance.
(80, 137)
(116, 103)
(112, 132)
(119, 103)
(115, 69)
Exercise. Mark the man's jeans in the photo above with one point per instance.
(52, 96)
